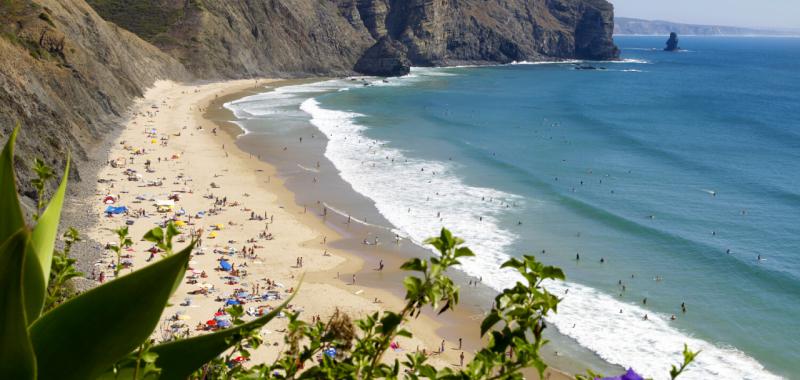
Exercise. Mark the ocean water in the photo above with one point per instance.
(678, 170)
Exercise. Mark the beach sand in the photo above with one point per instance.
(186, 156)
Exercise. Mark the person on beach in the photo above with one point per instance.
(354, 279)
(461, 359)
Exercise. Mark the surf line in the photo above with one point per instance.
(364, 223)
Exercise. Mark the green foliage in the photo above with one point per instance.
(104, 333)
(43, 174)
(62, 269)
(123, 241)
(16, 353)
(107, 322)
(688, 358)
(106, 328)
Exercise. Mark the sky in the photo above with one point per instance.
(747, 13)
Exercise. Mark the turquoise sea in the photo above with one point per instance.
(669, 174)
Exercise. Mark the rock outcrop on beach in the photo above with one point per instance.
(241, 38)
(387, 57)
(67, 76)
(672, 42)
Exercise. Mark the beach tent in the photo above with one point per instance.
(226, 266)
(109, 200)
(116, 210)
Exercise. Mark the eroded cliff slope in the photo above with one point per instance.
(239, 38)
(67, 76)
(67, 73)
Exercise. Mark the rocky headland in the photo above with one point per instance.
(69, 70)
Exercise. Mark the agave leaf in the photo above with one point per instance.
(177, 360)
(12, 214)
(17, 360)
(35, 285)
(44, 234)
(91, 332)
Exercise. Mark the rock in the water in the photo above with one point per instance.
(387, 58)
(672, 43)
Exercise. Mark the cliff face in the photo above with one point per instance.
(240, 38)
(67, 76)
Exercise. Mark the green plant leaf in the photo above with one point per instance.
(489, 321)
(35, 284)
(44, 234)
(17, 360)
(94, 330)
(12, 214)
(42, 242)
(177, 360)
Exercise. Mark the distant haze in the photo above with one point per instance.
(747, 13)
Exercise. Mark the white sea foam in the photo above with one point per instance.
(397, 183)
(589, 316)
(416, 196)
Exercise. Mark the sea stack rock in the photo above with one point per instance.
(672, 43)
(387, 58)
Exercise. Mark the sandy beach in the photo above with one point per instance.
(173, 160)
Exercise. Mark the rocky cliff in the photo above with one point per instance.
(240, 38)
(67, 76)
(69, 70)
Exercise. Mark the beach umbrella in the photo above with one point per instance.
(232, 302)
(226, 266)
(212, 235)
(224, 324)
(211, 322)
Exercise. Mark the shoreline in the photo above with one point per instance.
(176, 110)
(462, 322)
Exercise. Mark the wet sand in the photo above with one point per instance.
(314, 186)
